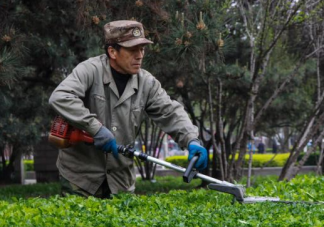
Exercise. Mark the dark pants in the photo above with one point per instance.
(68, 188)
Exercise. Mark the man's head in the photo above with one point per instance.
(125, 42)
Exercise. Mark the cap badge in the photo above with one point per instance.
(136, 32)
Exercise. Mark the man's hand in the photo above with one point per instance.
(105, 141)
(195, 148)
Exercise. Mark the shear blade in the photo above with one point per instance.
(258, 199)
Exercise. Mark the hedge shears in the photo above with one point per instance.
(189, 173)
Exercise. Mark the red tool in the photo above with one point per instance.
(63, 135)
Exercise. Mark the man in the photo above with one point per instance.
(108, 96)
(261, 148)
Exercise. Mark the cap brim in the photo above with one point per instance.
(135, 42)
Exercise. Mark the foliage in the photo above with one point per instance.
(164, 185)
(28, 165)
(259, 160)
(41, 42)
(25, 191)
(159, 185)
(178, 208)
(312, 159)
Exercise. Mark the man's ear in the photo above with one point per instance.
(112, 52)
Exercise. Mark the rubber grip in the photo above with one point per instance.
(189, 173)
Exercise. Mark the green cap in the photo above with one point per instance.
(126, 33)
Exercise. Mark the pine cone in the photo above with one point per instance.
(220, 43)
(178, 42)
(139, 3)
(201, 26)
(6, 38)
(95, 20)
(188, 35)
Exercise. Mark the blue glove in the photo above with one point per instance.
(195, 148)
(105, 141)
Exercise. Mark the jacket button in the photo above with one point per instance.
(114, 128)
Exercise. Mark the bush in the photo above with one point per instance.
(29, 165)
(26, 191)
(161, 185)
(312, 159)
(258, 160)
(178, 160)
(178, 208)
(164, 184)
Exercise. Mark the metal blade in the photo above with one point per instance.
(258, 199)
(238, 192)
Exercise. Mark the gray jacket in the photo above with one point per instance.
(88, 98)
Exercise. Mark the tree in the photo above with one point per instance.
(231, 63)
(36, 49)
(313, 127)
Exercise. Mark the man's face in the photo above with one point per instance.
(127, 60)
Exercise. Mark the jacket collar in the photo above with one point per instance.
(131, 87)
(108, 78)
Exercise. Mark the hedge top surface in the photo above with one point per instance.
(178, 208)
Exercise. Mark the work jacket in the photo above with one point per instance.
(88, 98)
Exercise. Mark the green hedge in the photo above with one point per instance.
(178, 208)
(312, 159)
(164, 184)
(28, 165)
(258, 160)
(26, 191)
(160, 185)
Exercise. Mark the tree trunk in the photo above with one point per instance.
(217, 152)
(286, 144)
(305, 136)
(8, 170)
(319, 168)
(220, 130)
(294, 171)
(3, 163)
(248, 182)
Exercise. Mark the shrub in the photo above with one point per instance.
(258, 160)
(178, 160)
(312, 159)
(160, 185)
(25, 191)
(164, 184)
(29, 165)
(178, 208)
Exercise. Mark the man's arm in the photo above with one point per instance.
(170, 115)
(66, 99)
(174, 120)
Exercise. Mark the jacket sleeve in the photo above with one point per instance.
(66, 99)
(170, 115)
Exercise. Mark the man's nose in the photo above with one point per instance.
(139, 54)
